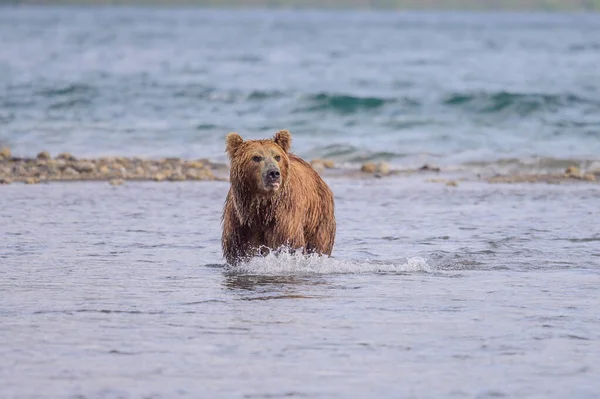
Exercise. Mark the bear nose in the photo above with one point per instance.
(273, 174)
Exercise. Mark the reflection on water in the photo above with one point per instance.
(266, 283)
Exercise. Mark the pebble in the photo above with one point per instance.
(326, 163)
(589, 177)
(428, 168)
(84, 167)
(44, 156)
(159, 177)
(66, 156)
(66, 167)
(572, 171)
(176, 177)
(195, 164)
(383, 168)
(369, 167)
(70, 172)
(5, 153)
(32, 180)
(116, 182)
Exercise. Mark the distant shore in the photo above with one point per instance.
(44, 168)
(490, 5)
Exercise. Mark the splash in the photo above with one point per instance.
(286, 263)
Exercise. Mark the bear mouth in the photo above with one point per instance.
(272, 186)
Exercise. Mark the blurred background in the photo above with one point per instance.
(506, 85)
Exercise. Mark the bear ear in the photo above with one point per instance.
(232, 142)
(283, 138)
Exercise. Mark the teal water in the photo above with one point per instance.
(456, 89)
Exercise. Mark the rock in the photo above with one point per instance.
(5, 180)
(32, 180)
(452, 183)
(66, 156)
(427, 168)
(61, 164)
(5, 153)
(116, 182)
(45, 163)
(103, 171)
(194, 174)
(572, 171)
(70, 173)
(195, 164)
(139, 172)
(589, 177)
(383, 168)
(44, 156)
(368, 167)
(84, 167)
(19, 170)
(176, 176)
(159, 177)
(208, 174)
(326, 163)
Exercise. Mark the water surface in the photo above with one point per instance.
(475, 291)
(463, 90)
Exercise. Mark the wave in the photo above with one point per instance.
(201, 92)
(522, 104)
(532, 165)
(342, 103)
(353, 154)
(73, 89)
(286, 263)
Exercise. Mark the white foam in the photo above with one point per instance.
(286, 263)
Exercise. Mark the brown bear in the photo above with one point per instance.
(275, 200)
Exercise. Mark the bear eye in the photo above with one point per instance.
(256, 158)
(277, 158)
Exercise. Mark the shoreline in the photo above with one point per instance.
(65, 167)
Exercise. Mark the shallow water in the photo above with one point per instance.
(469, 90)
(476, 291)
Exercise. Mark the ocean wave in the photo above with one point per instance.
(200, 92)
(521, 103)
(342, 103)
(531, 164)
(72, 89)
(352, 154)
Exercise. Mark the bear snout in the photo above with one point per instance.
(272, 178)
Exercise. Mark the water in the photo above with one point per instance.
(454, 89)
(475, 291)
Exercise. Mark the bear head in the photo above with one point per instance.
(259, 166)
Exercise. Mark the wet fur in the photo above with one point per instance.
(298, 215)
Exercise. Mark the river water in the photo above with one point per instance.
(474, 291)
